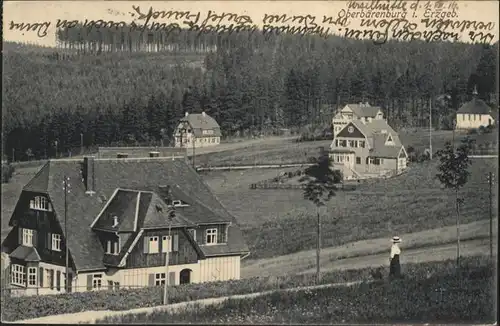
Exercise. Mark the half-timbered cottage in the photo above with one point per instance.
(115, 222)
(197, 130)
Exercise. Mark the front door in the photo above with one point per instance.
(185, 276)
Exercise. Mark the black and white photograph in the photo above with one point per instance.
(250, 162)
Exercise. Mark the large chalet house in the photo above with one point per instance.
(361, 111)
(367, 149)
(474, 114)
(197, 130)
(115, 223)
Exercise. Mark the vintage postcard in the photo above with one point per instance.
(250, 162)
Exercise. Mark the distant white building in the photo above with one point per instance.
(350, 112)
(197, 130)
(474, 114)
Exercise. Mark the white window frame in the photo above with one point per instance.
(32, 276)
(56, 242)
(96, 281)
(40, 203)
(160, 279)
(166, 243)
(17, 275)
(27, 237)
(113, 247)
(153, 249)
(211, 234)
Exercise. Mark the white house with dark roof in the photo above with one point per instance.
(117, 231)
(368, 149)
(361, 111)
(474, 114)
(197, 130)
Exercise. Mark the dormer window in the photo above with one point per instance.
(40, 203)
(113, 247)
(176, 203)
(115, 221)
(211, 236)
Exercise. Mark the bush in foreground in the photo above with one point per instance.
(20, 308)
(428, 293)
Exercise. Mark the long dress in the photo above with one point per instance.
(395, 267)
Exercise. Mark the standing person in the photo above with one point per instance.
(395, 267)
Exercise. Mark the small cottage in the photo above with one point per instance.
(474, 114)
(197, 130)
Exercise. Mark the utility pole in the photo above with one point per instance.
(66, 191)
(456, 200)
(430, 128)
(490, 182)
(318, 250)
(171, 214)
(81, 143)
(194, 149)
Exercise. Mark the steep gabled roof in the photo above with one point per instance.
(381, 150)
(475, 106)
(122, 205)
(364, 111)
(40, 182)
(200, 122)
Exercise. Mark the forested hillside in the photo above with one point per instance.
(114, 89)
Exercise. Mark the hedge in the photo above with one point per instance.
(19, 308)
(428, 293)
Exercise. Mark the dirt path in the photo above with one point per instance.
(240, 144)
(344, 255)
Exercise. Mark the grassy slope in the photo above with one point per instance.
(278, 222)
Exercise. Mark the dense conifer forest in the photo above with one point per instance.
(120, 86)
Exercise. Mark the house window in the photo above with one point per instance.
(56, 242)
(112, 247)
(40, 203)
(468, 117)
(28, 237)
(351, 143)
(355, 143)
(347, 158)
(17, 275)
(97, 281)
(211, 236)
(358, 160)
(376, 161)
(153, 245)
(32, 276)
(50, 278)
(160, 279)
(113, 285)
(336, 143)
(362, 143)
(166, 243)
(343, 143)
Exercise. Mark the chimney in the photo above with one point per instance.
(115, 221)
(89, 174)
(154, 154)
(203, 114)
(165, 194)
(122, 155)
(187, 113)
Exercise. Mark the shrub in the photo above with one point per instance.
(7, 172)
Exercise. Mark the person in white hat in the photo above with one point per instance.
(395, 267)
